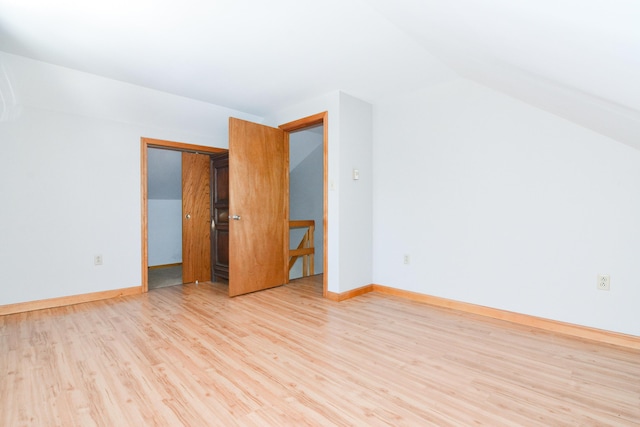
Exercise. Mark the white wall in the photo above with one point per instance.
(504, 205)
(70, 175)
(349, 220)
(356, 196)
(497, 202)
(164, 230)
(71, 143)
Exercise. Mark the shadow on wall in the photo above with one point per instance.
(306, 191)
(9, 108)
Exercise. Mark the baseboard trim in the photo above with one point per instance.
(578, 331)
(155, 267)
(349, 294)
(70, 300)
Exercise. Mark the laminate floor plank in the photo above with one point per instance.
(189, 355)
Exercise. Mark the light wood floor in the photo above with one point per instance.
(188, 355)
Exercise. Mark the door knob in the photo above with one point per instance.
(236, 217)
(188, 216)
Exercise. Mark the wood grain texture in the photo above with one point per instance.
(606, 337)
(196, 218)
(181, 146)
(258, 194)
(306, 247)
(578, 331)
(189, 355)
(156, 267)
(145, 144)
(220, 217)
(67, 300)
(144, 208)
(342, 296)
(305, 122)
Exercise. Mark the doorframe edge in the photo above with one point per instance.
(145, 144)
(300, 124)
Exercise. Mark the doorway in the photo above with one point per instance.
(145, 145)
(313, 121)
(317, 122)
(164, 192)
(305, 196)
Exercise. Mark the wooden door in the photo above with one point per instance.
(220, 217)
(196, 230)
(259, 207)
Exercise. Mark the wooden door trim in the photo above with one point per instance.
(300, 124)
(305, 122)
(146, 143)
(181, 146)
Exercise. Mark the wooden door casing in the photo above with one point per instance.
(220, 217)
(196, 216)
(259, 197)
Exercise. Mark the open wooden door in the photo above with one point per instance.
(220, 217)
(258, 207)
(196, 217)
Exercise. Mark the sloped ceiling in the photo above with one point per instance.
(577, 59)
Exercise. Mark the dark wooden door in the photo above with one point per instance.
(258, 207)
(196, 240)
(220, 217)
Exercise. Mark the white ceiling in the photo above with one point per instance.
(579, 59)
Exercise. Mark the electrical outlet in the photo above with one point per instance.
(97, 260)
(407, 259)
(604, 282)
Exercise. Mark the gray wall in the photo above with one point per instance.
(165, 206)
(306, 187)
